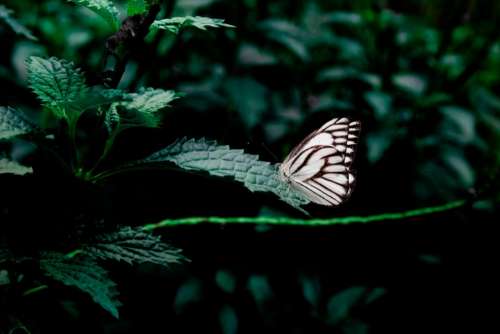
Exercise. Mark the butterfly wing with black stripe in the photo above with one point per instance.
(320, 166)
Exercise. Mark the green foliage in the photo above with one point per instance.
(12, 167)
(104, 8)
(12, 123)
(58, 84)
(220, 160)
(133, 245)
(176, 24)
(18, 28)
(84, 274)
(141, 110)
(135, 7)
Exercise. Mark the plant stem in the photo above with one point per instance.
(308, 222)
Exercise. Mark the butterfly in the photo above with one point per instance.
(319, 168)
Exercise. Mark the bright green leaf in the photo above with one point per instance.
(220, 160)
(57, 83)
(142, 108)
(104, 8)
(175, 24)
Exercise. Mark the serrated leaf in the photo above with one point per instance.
(18, 28)
(97, 96)
(12, 167)
(143, 107)
(175, 24)
(84, 274)
(57, 83)
(12, 123)
(104, 8)
(135, 7)
(133, 246)
(220, 160)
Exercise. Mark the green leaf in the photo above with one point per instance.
(12, 167)
(311, 290)
(133, 246)
(411, 83)
(135, 7)
(104, 8)
(86, 275)
(341, 303)
(261, 290)
(58, 84)
(4, 275)
(175, 24)
(249, 97)
(220, 160)
(13, 123)
(188, 293)
(97, 96)
(142, 109)
(287, 34)
(380, 102)
(344, 18)
(225, 281)
(339, 73)
(18, 28)
(228, 320)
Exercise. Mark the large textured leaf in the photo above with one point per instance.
(12, 123)
(104, 8)
(175, 24)
(12, 167)
(133, 246)
(85, 274)
(220, 160)
(18, 28)
(57, 83)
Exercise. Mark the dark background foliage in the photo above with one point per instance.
(422, 76)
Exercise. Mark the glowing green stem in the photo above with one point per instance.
(307, 222)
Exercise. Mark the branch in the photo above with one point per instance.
(309, 222)
(128, 38)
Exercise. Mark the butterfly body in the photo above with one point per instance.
(319, 167)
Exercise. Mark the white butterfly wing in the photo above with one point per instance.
(320, 166)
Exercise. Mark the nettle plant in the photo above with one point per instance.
(65, 97)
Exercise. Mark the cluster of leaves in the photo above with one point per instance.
(65, 96)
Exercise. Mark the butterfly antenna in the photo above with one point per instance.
(269, 151)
